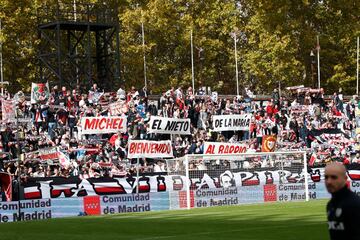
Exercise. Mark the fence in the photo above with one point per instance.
(195, 181)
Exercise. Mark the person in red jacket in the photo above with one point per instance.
(346, 160)
(269, 109)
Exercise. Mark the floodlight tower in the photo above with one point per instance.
(79, 45)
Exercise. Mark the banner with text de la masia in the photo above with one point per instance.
(231, 122)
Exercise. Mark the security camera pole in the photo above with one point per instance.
(1, 63)
(234, 36)
(192, 62)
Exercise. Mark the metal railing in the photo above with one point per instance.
(79, 12)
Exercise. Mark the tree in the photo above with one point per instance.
(275, 40)
(19, 42)
(282, 34)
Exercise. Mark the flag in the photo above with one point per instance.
(8, 109)
(6, 185)
(32, 192)
(94, 97)
(312, 159)
(113, 139)
(63, 159)
(46, 154)
(19, 97)
(121, 94)
(39, 92)
(354, 171)
(268, 143)
(92, 205)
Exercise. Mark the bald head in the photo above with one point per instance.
(336, 167)
(335, 177)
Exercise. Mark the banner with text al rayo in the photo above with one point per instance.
(169, 125)
(224, 148)
(231, 122)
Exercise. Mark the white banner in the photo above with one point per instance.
(117, 108)
(150, 149)
(8, 110)
(224, 148)
(94, 97)
(40, 92)
(169, 125)
(231, 122)
(50, 153)
(100, 125)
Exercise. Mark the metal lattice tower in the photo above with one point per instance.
(79, 45)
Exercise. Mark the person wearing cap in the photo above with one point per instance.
(343, 210)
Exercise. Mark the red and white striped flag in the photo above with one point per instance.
(8, 110)
(312, 159)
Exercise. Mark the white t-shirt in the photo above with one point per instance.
(159, 168)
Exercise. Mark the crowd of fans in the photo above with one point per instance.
(302, 120)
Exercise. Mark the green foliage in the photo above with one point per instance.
(275, 40)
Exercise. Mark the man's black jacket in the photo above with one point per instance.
(343, 212)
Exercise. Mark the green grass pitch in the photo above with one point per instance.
(278, 221)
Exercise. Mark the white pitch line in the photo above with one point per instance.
(167, 215)
(185, 213)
